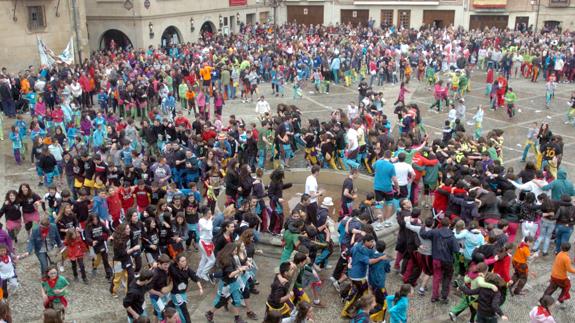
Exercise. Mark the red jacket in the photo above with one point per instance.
(440, 201)
(502, 268)
(114, 206)
(75, 249)
(421, 161)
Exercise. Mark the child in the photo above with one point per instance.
(401, 95)
(75, 252)
(16, 144)
(550, 87)
(510, 98)
(7, 272)
(398, 304)
(376, 280)
(364, 306)
(171, 316)
(103, 100)
(541, 313)
(559, 278)
(519, 262)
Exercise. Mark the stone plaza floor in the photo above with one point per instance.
(92, 303)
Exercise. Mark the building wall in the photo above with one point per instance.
(110, 14)
(19, 44)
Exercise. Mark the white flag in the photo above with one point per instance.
(67, 55)
(46, 55)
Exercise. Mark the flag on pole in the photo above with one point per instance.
(46, 55)
(67, 55)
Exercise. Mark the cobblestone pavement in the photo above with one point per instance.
(92, 303)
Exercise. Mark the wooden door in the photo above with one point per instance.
(438, 18)
(354, 16)
(307, 15)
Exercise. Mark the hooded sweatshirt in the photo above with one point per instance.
(471, 240)
(560, 186)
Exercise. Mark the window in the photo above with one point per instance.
(36, 19)
(558, 3)
(387, 17)
(404, 17)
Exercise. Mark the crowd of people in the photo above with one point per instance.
(131, 160)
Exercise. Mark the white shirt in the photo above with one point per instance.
(402, 172)
(311, 188)
(352, 139)
(262, 107)
(205, 227)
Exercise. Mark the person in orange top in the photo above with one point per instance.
(519, 261)
(24, 85)
(206, 73)
(561, 266)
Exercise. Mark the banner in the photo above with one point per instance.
(67, 55)
(46, 55)
(48, 58)
(238, 3)
(489, 4)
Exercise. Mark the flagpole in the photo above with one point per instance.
(76, 30)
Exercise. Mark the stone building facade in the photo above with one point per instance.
(130, 23)
(415, 13)
(23, 21)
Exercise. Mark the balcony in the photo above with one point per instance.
(559, 3)
(396, 2)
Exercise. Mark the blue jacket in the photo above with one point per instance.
(443, 243)
(378, 272)
(397, 311)
(471, 240)
(100, 207)
(36, 242)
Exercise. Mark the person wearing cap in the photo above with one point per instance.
(223, 147)
(324, 213)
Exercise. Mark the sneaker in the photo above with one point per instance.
(254, 291)
(387, 224)
(421, 292)
(252, 316)
(452, 316)
(318, 304)
(209, 316)
(115, 295)
(61, 268)
(335, 284)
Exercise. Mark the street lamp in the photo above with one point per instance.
(237, 18)
(192, 27)
(151, 29)
(538, 4)
(221, 22)
(274, 4)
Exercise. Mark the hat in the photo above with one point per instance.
(222, 136)
(327, 201)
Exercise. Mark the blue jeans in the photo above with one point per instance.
(545, 231)
(43, 258)
(528, 145)
(562, 234)
(262, 152)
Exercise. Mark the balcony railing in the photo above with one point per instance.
(559, 3)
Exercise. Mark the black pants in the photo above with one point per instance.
(137, 262)
(311, 211)
(78, 262)
(340, 267)
(105, 262)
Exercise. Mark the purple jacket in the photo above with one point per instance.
(5, 239)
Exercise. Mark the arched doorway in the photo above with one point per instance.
(208, 29)
(113, 38)
(171, 36)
